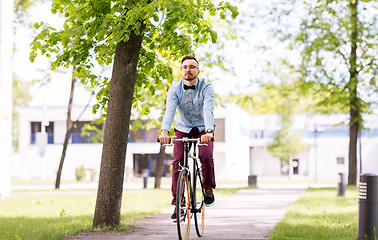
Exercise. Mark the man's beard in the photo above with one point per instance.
(190, 79)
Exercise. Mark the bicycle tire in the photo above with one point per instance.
(183, 212)
(199, 215)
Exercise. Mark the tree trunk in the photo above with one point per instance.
(354, 101)
(109, 194)
(159, 167)
(353, 133)
(68, 133)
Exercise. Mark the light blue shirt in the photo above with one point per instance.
(194, 107)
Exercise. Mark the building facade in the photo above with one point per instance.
(6, 47)
(240, 148)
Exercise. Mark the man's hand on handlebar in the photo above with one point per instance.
(164, 137)
(207, 137)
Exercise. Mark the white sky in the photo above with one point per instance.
(244, 57)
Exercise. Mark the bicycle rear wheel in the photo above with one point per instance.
(199, 215)
(183, 206)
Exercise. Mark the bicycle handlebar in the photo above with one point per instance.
(185, 139)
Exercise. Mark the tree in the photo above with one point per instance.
(69, 124)
(337, 45)
(138, 34)
(159, 167)
(286, 142)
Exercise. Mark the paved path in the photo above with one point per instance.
(248, 214)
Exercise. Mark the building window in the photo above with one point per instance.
(219, 135)
(258, 134)
(340, 160)
(92, 134)
(35, 127)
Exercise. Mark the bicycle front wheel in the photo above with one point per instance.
(183, 206)
(199, 215)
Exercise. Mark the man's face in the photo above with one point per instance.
(189, 69)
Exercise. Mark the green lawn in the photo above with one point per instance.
(320, 214)
(54, 214)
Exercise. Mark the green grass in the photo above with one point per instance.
(320, 214)
(54, 214)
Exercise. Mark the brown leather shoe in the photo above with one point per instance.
(209, 198)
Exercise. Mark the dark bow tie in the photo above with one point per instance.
(186, 87)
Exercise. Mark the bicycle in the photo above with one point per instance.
(190, 193)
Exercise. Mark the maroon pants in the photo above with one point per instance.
(206, 158)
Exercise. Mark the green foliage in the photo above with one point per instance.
(320, 214)
(93, 28)
(94, 130)
(80, 173)
(286, 142)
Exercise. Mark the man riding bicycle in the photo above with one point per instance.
(194, 100)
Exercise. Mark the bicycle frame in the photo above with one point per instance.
(196, 168)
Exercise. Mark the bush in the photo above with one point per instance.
(80, 173)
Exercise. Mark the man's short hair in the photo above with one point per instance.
(188, 57)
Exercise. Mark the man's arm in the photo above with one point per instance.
(208, 115)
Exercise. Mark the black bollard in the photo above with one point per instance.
(367, 226)
(341, 185)
(252, 180)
